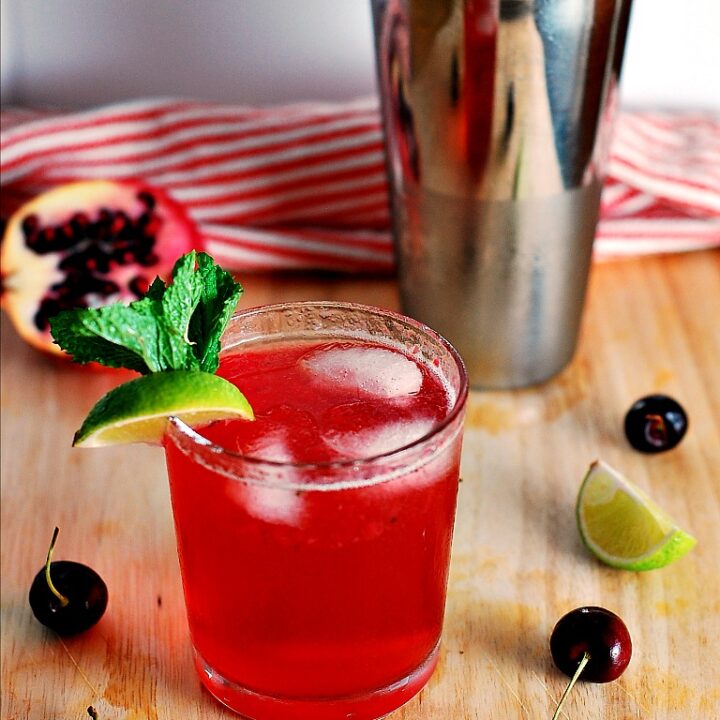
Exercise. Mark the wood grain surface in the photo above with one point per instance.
(518, 564)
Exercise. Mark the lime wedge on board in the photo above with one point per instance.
(623, 527)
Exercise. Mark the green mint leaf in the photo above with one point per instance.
(85, 345)
(156, 289)
(219, 297)
(114, 335)
(174, 327)
(179, 301)
(181, 298)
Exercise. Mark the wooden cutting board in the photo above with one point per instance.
(518, 564)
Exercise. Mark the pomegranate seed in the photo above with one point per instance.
(105, 217)
(148, 260)
(139, 285)
(80, 220)
(146, 199)
(109, 288)
(30, 223)
(42, 242)
(48, 308)
(153, 227)
(119, 223)
(64, 237)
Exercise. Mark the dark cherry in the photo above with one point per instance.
(590, 643)
(655, 423)
(68, 597)
(599, 633)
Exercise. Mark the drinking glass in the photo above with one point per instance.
(316, 591)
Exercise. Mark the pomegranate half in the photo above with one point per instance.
(87, 244)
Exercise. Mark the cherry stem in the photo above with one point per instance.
(63, 600)
(581, 666)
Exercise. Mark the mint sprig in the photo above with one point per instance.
(174, 327)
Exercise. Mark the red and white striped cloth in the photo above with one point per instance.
(303, 186)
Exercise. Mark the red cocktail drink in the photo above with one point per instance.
(314, 541)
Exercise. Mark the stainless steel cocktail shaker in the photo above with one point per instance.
(497, 116)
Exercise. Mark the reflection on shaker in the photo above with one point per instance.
(523, 159)
(496, 116)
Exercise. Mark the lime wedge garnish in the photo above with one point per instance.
(623, 527)
(137, 411)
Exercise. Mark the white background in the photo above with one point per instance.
(76, 53)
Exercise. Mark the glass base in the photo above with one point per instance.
(368, 706)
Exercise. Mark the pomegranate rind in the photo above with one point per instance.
(27, 275)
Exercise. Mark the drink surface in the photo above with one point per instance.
(310, 594)
(329, 401)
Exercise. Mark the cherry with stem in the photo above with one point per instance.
(67, 597)
(590, 643)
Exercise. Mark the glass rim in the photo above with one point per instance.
(202, 443)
